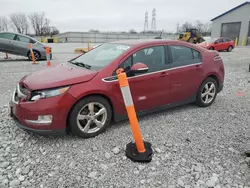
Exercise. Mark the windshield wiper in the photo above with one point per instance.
(80, 64)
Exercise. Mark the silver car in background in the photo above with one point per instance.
(17, 44)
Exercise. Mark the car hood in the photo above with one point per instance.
(58, 75)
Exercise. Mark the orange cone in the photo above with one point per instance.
(48, 56)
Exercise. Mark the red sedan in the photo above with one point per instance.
(219, 44)
(83, 96)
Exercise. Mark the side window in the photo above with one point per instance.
(182, 56)
(8, 36)
(196, 56)
(127, 64)
(23, 39)
(219, 40)
(153, 57)
(2, 35)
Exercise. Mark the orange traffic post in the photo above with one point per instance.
(32, 54)
(140, 151)
(48, 56)
(6, 57)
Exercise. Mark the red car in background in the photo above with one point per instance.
(83, 96)
(219, 44)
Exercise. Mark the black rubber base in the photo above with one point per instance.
(134, 155)
(247, 153)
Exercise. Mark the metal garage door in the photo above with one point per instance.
(231, 30)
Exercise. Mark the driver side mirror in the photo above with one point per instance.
(139, 68)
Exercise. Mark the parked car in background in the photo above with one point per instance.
(17, 44)
(219, 44)
(83, 96)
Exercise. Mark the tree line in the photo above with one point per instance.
(204, 28)
(22, 23)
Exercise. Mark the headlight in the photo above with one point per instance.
(48, 93)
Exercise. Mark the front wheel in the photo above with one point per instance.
(90, 117)
(207, 92)
(230, 48)
(36, 54)
(211, 48)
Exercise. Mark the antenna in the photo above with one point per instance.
(153, 24)
(146, 22)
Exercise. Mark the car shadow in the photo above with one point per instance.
(113, 125)
(12, 60)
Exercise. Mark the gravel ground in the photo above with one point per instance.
(194, 147)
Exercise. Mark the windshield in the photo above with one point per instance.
(99, 57)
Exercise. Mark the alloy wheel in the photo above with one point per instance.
(208, 92)
(92, 117)
(36, 55)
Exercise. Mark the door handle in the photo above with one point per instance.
(163, 74)
(197, 67)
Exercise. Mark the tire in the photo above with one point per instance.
(36, 54)
(230, 48)
(211, 48)
(201, 97)
(81, 116)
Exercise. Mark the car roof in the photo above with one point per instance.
(142, 42)
(18, 34)
(135, 42)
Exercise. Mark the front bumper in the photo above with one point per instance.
(58, 107)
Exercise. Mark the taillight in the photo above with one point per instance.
(217, 57)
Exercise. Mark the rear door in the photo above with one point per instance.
(6, 42)
(185, 74)
(21, 45)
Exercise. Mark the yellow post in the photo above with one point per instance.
(243, 41)
(236, 41)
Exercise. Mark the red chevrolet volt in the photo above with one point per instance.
(219, 44)
(82, 96)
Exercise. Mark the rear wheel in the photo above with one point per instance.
(207, 92)
(230, 48)
(90, 117)
(36, 54)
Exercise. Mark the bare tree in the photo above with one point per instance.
(54, 31)
(19, 22)
(207, 28)
(186, 26)
(39, 22)
(199, 26)
(3, 24)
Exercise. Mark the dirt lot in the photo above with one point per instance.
(195, 147)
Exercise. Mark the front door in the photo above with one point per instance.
(219, 45)
(21, 45)
(185, 73)
(149, 90)
(6, 42)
